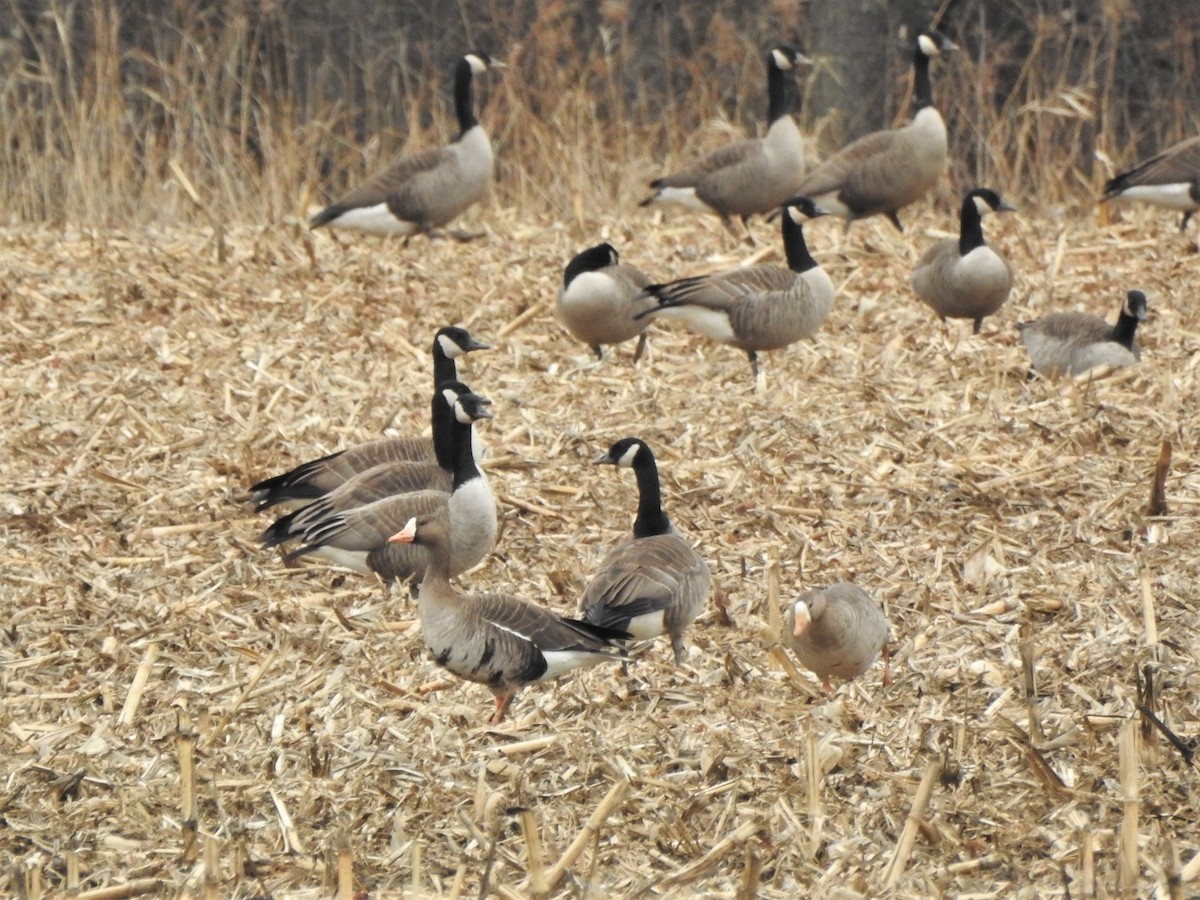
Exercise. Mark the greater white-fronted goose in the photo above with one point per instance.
(750, 176)
(599, 299)
(966, 278)
(425, 190)
(1171, 180)
(755, 308)
(357, 538)
(837, 631)
(494, 639)
(318, 477)
(885, 171)
(652, 582)
(1073, 342)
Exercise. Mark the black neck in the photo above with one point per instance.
(462, 98)
(970, 231)
(1125, 329)
(922, 89)
(443, 421)
(444, 368)
(798, 257)
(781, 91)
(651, 519)
(464, 455)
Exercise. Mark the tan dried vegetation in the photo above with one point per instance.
(183, 715)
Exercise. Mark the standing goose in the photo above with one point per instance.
(600, 297)
(967, 278)
(427, 189)
(885, 171)
(1171, 179)
(837, 630)
(762, 307)
(652, 582)
(357, 538)
(1073, 342)
(495, 639)
(318, 477)
(750, 176)
(390, 478)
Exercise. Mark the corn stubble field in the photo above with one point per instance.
(185, 714)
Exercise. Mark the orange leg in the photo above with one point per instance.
(503, 699)
(887, 664)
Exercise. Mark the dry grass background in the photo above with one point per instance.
(145, 384)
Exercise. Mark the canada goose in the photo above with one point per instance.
(751, 176)
(755, 308)
(496, 639)
(1171, 179)
(966, 278)
(652, 582)
(318, 477)
(885, 171)
(600, 297)
(390, 478)
(357, 537)
(427, 189)
(1073, 342)
(837, 630)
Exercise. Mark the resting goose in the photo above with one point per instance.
(495, 639)
(762, 307)
(885, 171)
(318, 477)
(600, 297)
(391, 478)
(652, 582)
(425, 190)
(1171, 180)
(751, 176)
(837, 630)
(1073, 342)
(357, 537)
(966, 278)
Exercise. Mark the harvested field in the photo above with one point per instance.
(184, 715)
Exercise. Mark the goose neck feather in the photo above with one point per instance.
(970, 230)
(798, 257)
(781, 91)
(1125, 330)
(651, 519)
(462, 98)
(922, 87)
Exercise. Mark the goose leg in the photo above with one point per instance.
(641, 346)
(678, 647)
(598, 351)
(894, 218)
(978, 325)
(753, 363)
(887, 664)
(503, 699)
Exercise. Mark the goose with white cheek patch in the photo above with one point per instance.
(495, 639)
(652, 582)
(1073, 342)
(750, 176)
(837, 631)
(1170, 180)
(600, 298)
(755, 308)
(318, 477)
(966, 278)
(357, 538)
(885, 171)
(425, 190)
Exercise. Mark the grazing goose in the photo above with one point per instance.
(1171, 179)
(652, 582)
(599, 299)
(837, 630)
(885, 171)
(751, 176)
(755, 308)
(1073, 342)
(390, 478)
(318, 477)
(357, 538)
(966, 278)
(496, 639)
(425, 190)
